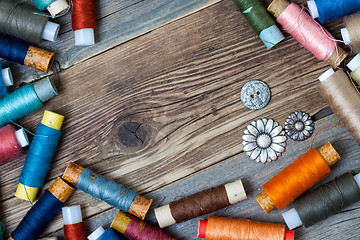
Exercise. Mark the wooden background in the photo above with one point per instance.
(172, 70)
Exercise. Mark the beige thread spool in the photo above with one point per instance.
(327, 152)
(351, 33)
(344, 98)
(338, 55)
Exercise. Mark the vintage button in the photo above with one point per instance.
(255, 94)
(299, 126)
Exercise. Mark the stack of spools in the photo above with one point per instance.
(21, 24)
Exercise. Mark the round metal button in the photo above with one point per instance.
(255, 94)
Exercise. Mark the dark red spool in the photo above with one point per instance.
(75, 231)
(83, 14)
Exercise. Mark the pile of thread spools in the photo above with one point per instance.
(21, 25)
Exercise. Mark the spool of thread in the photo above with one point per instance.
(325, 201)
(327, 10)
(6, 80)
(107, 190)
(308, 32)
(354, 66)
(74, 227)
(39, 156)
(55, 7)
(200, 203)
(135, 229)
(20, 21)
(25, 100)
(297, 178)
(83, 22)
(43, 212)
(20, 51)
(350, 34)
(11, 143)
(260, 21)
(344, 98)
(217, 228)
(101, 234)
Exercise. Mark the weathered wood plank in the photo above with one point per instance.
(182, 82)
(254, 175)
(117, 22)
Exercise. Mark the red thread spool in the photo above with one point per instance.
(74, 228)
(83, 21)
(218, 228)
(11, 143)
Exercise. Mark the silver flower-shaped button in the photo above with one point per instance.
(264, 140)
(299, 126)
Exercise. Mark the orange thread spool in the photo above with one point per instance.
(297, 178)
(217, 228)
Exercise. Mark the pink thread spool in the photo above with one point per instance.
(11, 143)
(308, 32)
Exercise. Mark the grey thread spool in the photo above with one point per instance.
(20, 21)
(325, 201)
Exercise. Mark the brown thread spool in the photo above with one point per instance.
(139, 206)
(218, 228)
(277, 7)
(351, 33)
(39, 59)
(200, 203)
(329, 155)
(344, 98)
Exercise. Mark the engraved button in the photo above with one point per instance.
(255, 94)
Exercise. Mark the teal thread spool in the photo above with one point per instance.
(55, 7)
(260, 21)
(2, 230)
(25, 100)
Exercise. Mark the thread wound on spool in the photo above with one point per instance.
(352, 25)
(333, 9)
(297, 178)
(20, 51)
(107, 190)
(134, 228)
(327, 200)
(39, 155)
(75, 231)
(43, 212)
(260, 20)
(3, 88)
(198, 204)
(308, 32)
(18, 104)
(10, 148)
(218, 228)
(83, 21)
(19, 20)
(344, 98)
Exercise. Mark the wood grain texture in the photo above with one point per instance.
(181, 82)
(254, 175)
(116, 23)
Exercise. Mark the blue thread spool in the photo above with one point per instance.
(19, 51)
(43, 212)
(6, 80)
(327, 10)
(39, 156)
(25, 100)
(55, 7)
(107, 190)
(101, 234)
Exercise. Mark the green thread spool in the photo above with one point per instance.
(55, 7)
(260, 21)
